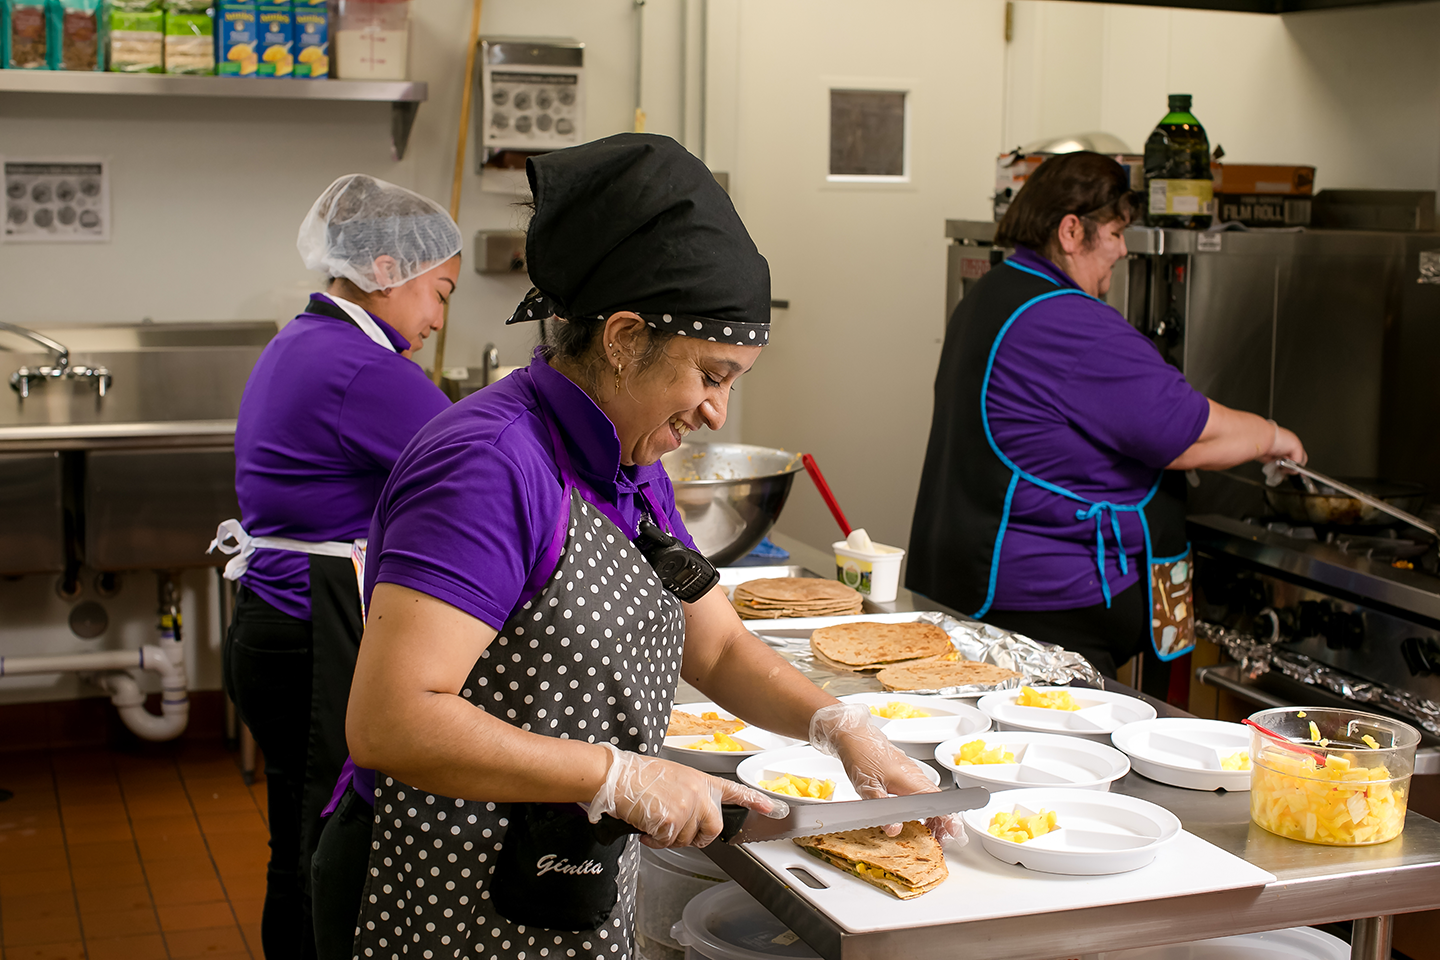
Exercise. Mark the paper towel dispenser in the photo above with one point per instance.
(531, 92)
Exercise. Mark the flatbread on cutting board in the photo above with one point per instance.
(912, 863)
(868, 644)
(940, 673)
(684, 724)
(786, 597)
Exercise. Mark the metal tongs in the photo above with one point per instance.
(1364, 498)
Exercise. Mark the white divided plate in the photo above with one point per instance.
(1185, 751)
(1297, 943)
(1101, 713)
(1040, 759)
(1096, 833)
(805, 761)
(917, 737)
(716, 761)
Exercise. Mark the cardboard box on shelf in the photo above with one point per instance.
(236, 39)
(312, 40)
(277, 40)
(1263, 210)
(1261, 179)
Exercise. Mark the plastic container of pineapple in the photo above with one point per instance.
(1342, 779)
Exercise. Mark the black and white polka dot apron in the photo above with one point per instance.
(594, 656)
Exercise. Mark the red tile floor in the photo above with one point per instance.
(109, 856)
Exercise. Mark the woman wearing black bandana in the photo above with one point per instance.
(521, 654)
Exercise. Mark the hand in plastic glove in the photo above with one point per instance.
(1284, 444)
(675, 805)
(875, 766)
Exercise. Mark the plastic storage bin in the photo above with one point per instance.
(1334, 786)
(669, 879)
(372, 40)
(726, 923)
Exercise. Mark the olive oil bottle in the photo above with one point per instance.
(1177, 170)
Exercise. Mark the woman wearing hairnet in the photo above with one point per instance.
(329, 406)
(521, 650)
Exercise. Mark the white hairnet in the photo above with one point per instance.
(359, 218)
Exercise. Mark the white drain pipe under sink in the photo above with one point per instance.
(114, 671)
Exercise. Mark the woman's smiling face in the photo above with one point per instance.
(687, 387)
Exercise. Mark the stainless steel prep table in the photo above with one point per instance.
(1316, 884)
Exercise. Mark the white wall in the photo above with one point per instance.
(1354, 92)
(849, 371)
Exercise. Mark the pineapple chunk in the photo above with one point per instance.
(1239, 760)
(1018, 829)
(1340, 803)
(812, 788)
(1052, 700)
(974, 752)
(721, 743)
(899, 710)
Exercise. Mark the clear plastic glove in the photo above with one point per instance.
(674, 805)
(875, 766)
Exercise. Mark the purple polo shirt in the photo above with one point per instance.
(1080, 398)
(325, 413)
(474, 500)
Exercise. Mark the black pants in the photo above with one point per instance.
(267, 668)
(337, 876)
(1106, 636)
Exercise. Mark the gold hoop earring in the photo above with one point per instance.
(617, 377)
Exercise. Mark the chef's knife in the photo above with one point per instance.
(809, 819)
(743, 825)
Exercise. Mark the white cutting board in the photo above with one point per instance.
(982, 888)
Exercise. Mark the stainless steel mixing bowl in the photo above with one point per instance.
(730, 494)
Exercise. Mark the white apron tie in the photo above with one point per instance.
(244, 545)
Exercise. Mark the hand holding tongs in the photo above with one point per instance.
(1364, 498)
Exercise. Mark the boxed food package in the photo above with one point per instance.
(137, 36)
(189, 37)
(277, 39)
(1263, 210)
(312, 40)
(1264, 178)
(237, 39)
(26, 31)
(76, 29)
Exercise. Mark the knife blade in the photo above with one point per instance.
(743, 825)
(809, 819)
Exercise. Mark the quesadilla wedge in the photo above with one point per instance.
(906, 866)
(870, 644)
(684, 724)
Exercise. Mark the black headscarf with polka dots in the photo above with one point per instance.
(636, 222)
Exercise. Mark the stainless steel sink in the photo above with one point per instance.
(147, 470)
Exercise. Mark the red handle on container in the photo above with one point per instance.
(812, 468)
(1291, 744)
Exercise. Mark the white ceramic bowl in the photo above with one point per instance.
(715, 761)
(1185, 751)
(804, 761)
(1101, 713)
(1097, 833)
(918, 737)
(1040, 759)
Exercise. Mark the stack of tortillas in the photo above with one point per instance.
(788, 597)
(866, 645)
(939, 673)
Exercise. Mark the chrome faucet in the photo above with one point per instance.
(21, 379)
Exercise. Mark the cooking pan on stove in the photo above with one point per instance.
(1329, 506)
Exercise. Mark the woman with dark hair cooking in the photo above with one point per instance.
(1051, 500)
(331, 402)
(520, 652)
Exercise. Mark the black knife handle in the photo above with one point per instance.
(610, 829)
